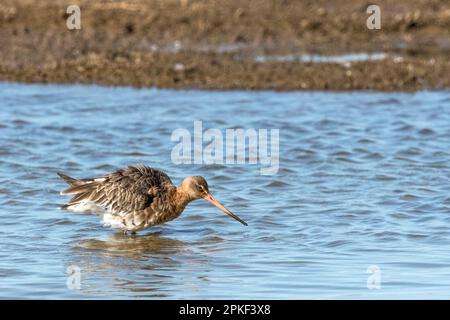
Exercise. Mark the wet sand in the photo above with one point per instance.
(216, 44)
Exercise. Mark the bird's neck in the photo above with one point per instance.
(182, 197)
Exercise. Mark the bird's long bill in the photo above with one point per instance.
(209, 197)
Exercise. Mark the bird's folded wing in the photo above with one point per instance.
(124, 191)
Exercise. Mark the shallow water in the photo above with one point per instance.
(363, 181)
(318, 58)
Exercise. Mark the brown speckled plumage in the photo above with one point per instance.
(135, 198)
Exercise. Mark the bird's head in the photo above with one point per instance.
(197, 188)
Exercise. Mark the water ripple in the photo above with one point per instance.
(363, 180)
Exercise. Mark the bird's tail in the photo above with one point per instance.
(70, 181)
(81, 189)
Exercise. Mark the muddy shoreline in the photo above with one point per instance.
(216, 44)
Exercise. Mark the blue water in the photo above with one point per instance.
(318, 58)
(363, 182)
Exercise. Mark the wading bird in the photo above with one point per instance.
(137, 197)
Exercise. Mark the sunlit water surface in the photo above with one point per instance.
(363, 183)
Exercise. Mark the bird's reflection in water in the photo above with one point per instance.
(135, 246)
(138, 266)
